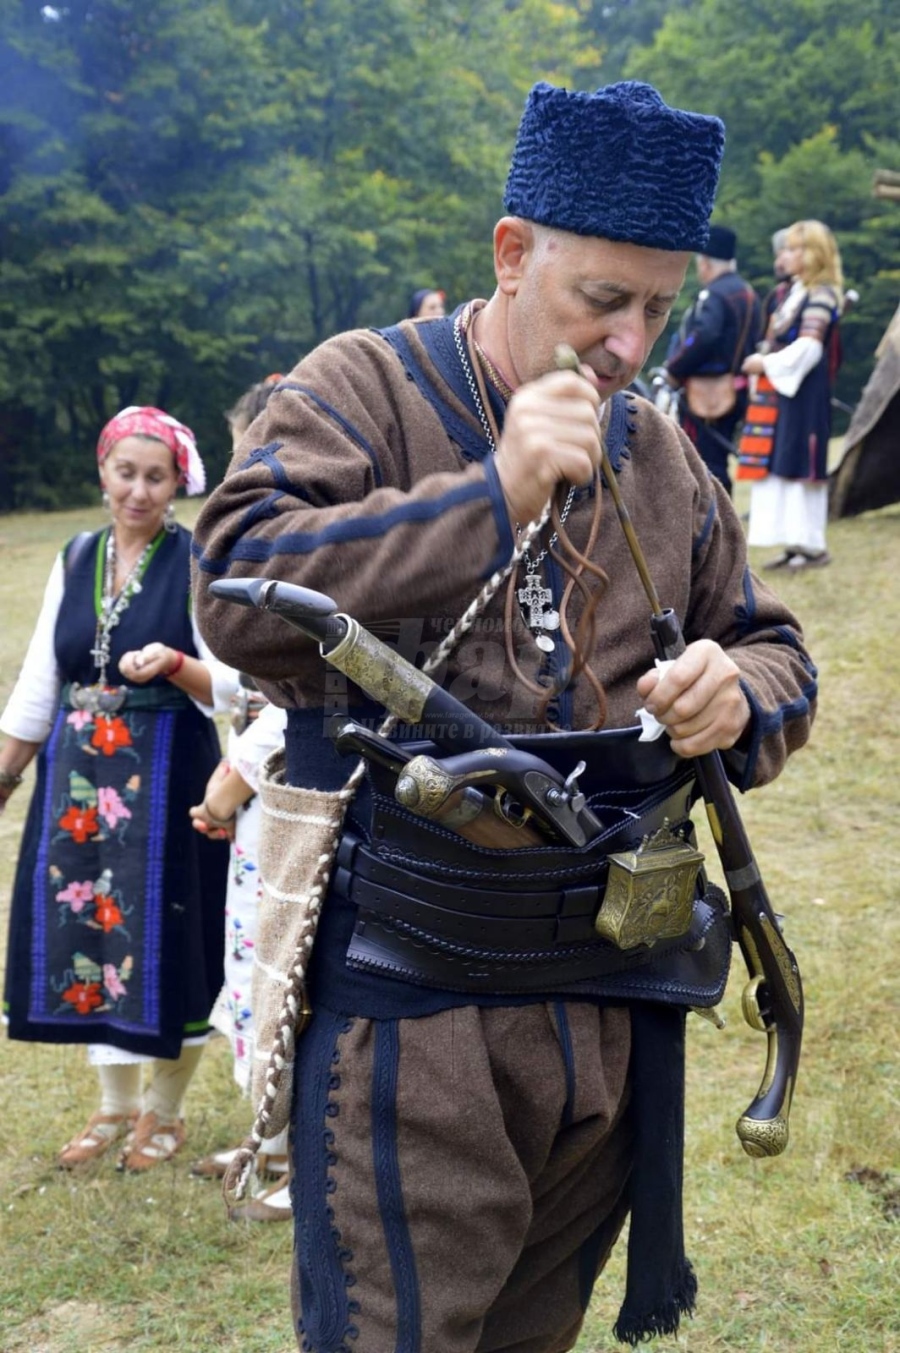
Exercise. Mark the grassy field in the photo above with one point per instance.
(795, 1255)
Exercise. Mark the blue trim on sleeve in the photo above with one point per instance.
(261, 511)
(344, 532)
(389, 1187)
(352, 432)
(505, 540)
(705, 529)
(744, 615)
(268, 455)
(741, 766)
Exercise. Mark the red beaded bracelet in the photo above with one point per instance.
(177, 664)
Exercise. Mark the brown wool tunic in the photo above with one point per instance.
(348, 445)
(460, 1176)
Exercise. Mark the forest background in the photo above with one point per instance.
(194, 195)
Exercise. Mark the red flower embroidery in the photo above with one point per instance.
(110, 735)
(85, 996)
(81, 822)
(106, 913)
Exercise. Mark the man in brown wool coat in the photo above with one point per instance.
(488, 1085)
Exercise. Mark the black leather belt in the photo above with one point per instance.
(692, 970)
(436, 910)
(471, 915)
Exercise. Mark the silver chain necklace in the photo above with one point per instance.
(534, 598)
(112, 606)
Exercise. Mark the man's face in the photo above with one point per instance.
(609, 301)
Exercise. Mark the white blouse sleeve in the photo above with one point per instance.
(258, 740)
(31, 707)
(788, 368)
(224, 679)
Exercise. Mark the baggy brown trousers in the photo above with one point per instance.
(459, 1179)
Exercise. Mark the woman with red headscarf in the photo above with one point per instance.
(117, 921)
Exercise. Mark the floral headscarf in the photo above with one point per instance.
(143, 421)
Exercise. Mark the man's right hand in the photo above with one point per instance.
(551, 432)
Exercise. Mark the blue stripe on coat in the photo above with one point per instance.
(505, 542)
(438, 341)
(705, 529)
(352, 432)
(344, 532)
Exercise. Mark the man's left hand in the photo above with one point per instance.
(699, 699)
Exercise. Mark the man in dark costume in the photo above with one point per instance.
(486, 1086)
(718, 331)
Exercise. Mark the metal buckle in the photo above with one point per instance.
(97, 699)
(650, 891)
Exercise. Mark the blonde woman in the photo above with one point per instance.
(789, 506)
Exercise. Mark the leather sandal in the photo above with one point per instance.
(94, 1140)
(215, 1165)
(272, 1204)
(150, 1144)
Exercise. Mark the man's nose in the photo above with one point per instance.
(629, 339)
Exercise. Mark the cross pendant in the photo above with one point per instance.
(536, 599)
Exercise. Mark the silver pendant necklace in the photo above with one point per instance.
(541, 613)
(534, 598)
(112, 606)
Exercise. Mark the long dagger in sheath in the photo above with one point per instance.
(483, 756)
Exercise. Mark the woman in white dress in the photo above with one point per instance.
(799, 358)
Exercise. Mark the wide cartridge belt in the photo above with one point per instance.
(630, 916)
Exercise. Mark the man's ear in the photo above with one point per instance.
(513, 243)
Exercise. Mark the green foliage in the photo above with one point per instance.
(193, 196)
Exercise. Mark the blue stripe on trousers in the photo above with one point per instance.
(389, 1185)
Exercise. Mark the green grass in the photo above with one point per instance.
(795, 1255)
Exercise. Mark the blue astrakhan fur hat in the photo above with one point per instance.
(618, 163)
